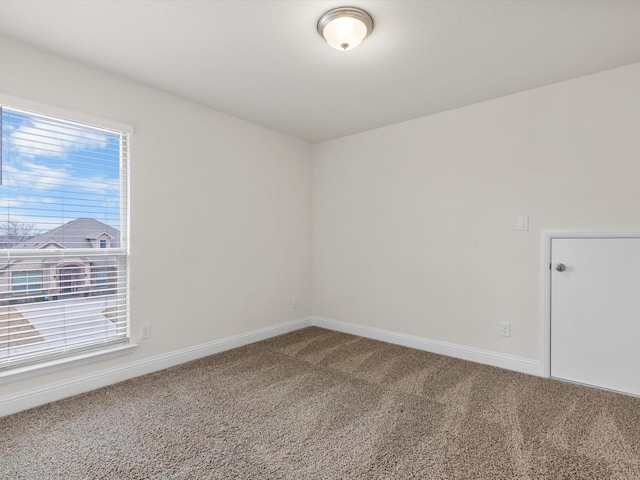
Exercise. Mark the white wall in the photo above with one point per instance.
(415, 223)
(220, 210)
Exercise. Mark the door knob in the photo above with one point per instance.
(561, 267)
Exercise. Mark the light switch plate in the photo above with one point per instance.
(523, 222)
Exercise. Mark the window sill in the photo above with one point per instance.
(59, 364)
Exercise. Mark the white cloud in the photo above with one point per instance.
(10, 203)
(44, 139)
(31, 175)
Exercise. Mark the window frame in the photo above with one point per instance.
(102, 278)
(28, 290)
(16, 370)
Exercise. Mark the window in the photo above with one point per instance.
(102, 277)
(63, 184)
(26, 282)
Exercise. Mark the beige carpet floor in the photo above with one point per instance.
(316, 404)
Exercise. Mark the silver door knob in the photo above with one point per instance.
(561, 267)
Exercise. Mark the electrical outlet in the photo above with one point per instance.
(505, 329)
(295, 303)
(145, 331)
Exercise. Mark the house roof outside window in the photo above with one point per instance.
(77, 233)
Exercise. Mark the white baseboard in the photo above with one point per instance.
(510, 362)
(56, 391)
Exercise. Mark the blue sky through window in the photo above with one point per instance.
(54, 171)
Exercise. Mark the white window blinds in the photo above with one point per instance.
(64, 253)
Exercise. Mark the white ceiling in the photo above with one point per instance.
(263, 60)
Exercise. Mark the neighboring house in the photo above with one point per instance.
(43, 279)
(8, 241)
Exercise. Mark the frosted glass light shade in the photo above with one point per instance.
(344, 28)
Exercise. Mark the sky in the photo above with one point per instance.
(54, 171)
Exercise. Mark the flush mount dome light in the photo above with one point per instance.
(345, 27)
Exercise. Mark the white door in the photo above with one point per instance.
(595, 312)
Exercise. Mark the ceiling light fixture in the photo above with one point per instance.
(345, 27)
